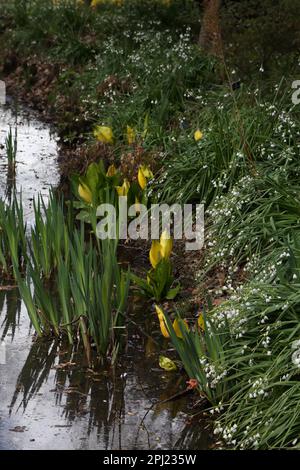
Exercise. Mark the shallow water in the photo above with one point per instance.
(36, 168)
(49, 399)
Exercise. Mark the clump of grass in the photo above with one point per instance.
(250, 222)
(246, 361)
(13, 244)
(88, 295)
(50, 235)
(201, 352)
(11, 152)
(243, 133)
(70, 285)
(261, 359)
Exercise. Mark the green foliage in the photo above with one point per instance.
(158, 284)
(246, 361)
(91, 294)
(262, 36)
(88, 289)
(123, 63)
(50, 235)
(140, 63)
(11, 149)
(202, 355)
(99, 188)
(13, 245)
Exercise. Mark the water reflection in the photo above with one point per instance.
(49, 393)
(10, 303)
(36, 167)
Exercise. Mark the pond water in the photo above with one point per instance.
(49, 398)
(36, 169)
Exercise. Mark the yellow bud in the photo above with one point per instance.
(130, 135)
(123, 190)
(155, 254)
(159, 312)
(162, 322)
(141, 179)
(201, 322)
(104, 134)
(163, 329)
(85, 193)
(198, 135)
(144, 174)
(147, 172)
(177, 327)
(111, 171)
(166, 244)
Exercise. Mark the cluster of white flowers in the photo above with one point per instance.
(227, 432)
(258, 388)
(217, 409)
(214, 373)
(250, 441)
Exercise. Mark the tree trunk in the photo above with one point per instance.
(210, 39)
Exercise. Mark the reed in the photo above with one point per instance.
(11, 151)
(50, 235)
(12, 237)
(86, 298)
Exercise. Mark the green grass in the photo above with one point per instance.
(11, 150)
(13, 244)
(87, 293)
(67, 281)
(117, 65)
(245, 362)
(50, 235)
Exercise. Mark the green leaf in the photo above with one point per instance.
(167, 364)
(84, 216)
(173, 292)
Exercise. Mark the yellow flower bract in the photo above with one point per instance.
(198, 135)
(163, 326)
(123, 190)
(111, 171)
(144, 174)
(160, 249)
(104, 134)
(85, 193)
(130, 132)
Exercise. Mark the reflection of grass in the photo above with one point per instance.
(11, 317)
(74, 389)
(35, 371)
